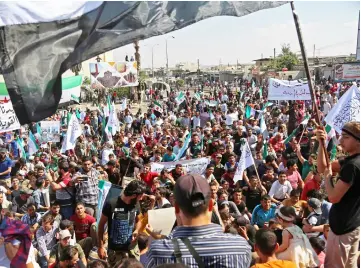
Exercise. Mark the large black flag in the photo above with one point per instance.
(41, 40)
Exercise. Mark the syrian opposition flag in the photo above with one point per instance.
(263, 128)
(39, 42)
(158, 108)
(197, 96)
(21, 147)
(32, 145)
(305, 120)
(184, 147)
(250, 112)
(180, 98)
(293, 134)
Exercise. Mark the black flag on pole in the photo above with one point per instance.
(39, 41)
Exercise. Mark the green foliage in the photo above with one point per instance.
(180, 82)
(86, 80)
(122, 92)
(287, 59)
(142, 76)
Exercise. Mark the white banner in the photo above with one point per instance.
(8, 118)
(347, 72)
(50, 131)
(288, 90)
(245, 161)
(346, 110)
(73, 132)
(197, 166)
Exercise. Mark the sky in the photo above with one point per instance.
(330, 26)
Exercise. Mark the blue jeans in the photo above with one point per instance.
(67, 211)
(42, 262)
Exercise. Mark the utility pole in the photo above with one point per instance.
(153, 59)
(166, 54)
(314, 50)
(152, 62)
(274, 53)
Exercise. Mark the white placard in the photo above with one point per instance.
(162, 220)
(50, 131)
(288, 90)
(8, 118)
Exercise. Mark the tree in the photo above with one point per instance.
(180, 82)
(287, 59)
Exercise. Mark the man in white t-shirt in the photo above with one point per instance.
(280, 189)
(326, 108)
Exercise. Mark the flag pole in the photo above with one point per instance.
(303, 131)
(308, 74)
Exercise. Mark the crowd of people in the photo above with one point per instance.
(293, 208)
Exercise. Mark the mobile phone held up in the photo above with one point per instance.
(83, 178)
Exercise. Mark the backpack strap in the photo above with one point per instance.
(177, 252)
(194, 253)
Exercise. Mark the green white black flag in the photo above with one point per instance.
(39, 42)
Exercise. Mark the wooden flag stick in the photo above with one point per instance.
(308, 74)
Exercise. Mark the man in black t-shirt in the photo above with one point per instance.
(344, 194)
(123, 228)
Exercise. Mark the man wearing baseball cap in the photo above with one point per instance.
(57, 251)
(196, 241)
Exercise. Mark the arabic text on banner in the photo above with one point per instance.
(288, 90)
(8, 119)
(346, 110)
(197, 166)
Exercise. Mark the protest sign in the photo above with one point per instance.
(50, 131)
(162, 220)
(197, 166)
(8, 118)
(113, 74)
(347, 72)
(288, 90)
(346, 110)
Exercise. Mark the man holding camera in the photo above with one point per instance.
(64, 191)
(86, 185)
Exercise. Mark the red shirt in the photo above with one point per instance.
(277, 145)
(82, 226)
(149, 177)
(310, 185)
(138, 146)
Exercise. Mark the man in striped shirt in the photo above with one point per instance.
(196, 242)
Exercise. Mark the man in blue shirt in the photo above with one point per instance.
(5, 167)
(263, 212)
(169, 156)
